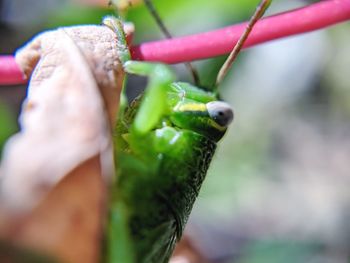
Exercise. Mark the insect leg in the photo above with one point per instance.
(116, 25)
(154, 103)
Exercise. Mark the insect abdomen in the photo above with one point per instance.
(159, 185)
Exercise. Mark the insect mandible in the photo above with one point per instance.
(164, 142)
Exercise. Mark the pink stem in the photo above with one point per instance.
(221, 41)
(10, 73)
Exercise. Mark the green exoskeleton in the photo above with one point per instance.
(165, 140)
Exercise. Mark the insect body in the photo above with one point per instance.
(165, 141)
(162, 170)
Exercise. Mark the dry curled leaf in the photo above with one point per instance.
(64, 143)
(67, 223)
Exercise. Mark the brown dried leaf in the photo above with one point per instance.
(68, 222)
(54, 172)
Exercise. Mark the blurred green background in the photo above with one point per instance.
(277, 190)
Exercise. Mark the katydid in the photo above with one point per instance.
(164, 142)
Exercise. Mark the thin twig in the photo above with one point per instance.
(259, 12)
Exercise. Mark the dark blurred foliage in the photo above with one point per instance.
(278, 188)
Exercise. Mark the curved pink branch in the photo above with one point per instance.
(10, 73)
(221, 41)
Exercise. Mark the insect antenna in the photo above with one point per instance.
(259, 12)
(167, 34)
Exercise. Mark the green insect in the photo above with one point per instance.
(165, 140)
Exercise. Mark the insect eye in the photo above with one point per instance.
(221, 112)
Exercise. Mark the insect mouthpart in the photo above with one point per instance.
(220, 112)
